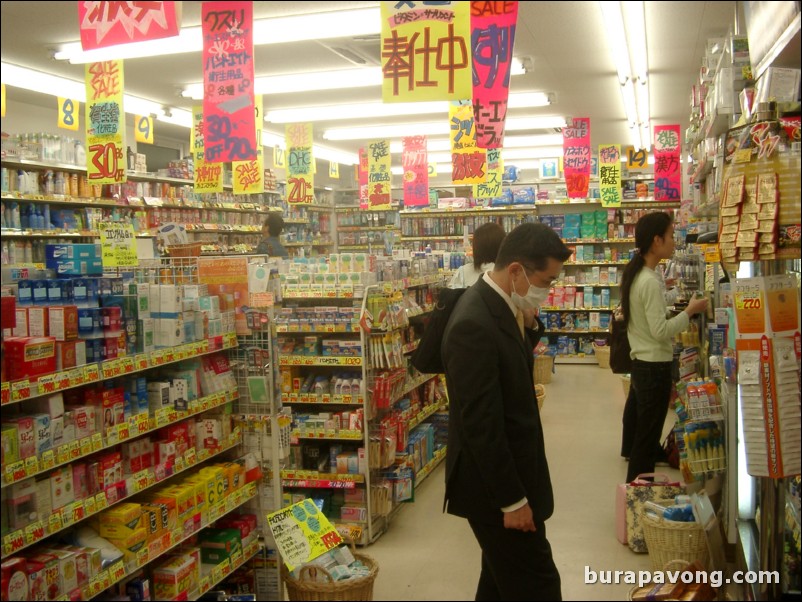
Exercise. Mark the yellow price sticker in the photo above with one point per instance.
(90, 505)
(76, 377)
(54, 523)
(101, 502)
(205, 585)
(128, 365)
(20, 390)
(75, 450)
(97, 442)
(91, 373)
(141, 361)
(142, 557)
(63, 454)
(189, 457)
(48, 459)
(31, 465)
(34, 532)
(13, 542)
(124, 431)
(86, 446)
(179, 465)
(117, 571)
(217, 574)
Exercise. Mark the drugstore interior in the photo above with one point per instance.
(208, 354)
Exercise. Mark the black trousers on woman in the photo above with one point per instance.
(644, 415)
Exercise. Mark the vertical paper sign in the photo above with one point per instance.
(334, 170)
(415, 159)
(379, 176)
(667, 173)
(208, 176)
(105, 123)
(468, 162)
(68, 113)
(549, 168)
(425, 50)
(576, 157)
(2, 100)
(143, 130)
(302, 533)
(610, 175)
(491, 187)
(362, 171)
(249, 176)
(492, 38)
(228, 81)
(300, 164)
(110, 23)
(279, 157)
(637, 159)
(118, 245)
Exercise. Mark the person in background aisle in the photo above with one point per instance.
(270, 244)
(485, 244)
(497, 475)
(650, 336)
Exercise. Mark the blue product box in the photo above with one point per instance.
(559, 221)
(573, 220)
(571, 232)
(39, 293)
(111, 286)
(562, 345)
(60, 292)
(572, 349)
(548, 220)
(95, 350)
(25, 292)
(89, 322)
(605, 297)
(604, 321)
(72, 252)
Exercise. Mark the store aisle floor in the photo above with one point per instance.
(428, 555)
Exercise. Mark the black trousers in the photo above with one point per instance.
(644, 415)
(515, 565)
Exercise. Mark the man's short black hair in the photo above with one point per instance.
(274, 224)
(531, 244)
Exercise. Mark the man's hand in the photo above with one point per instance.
(529, 317)
(520, 519)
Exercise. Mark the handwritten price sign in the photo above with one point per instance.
(118, 243)
(105, 122)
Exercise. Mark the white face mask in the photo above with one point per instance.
(534, 298)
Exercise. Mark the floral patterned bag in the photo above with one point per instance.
(640, 491)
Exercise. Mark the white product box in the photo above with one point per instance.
(61, 490)
(52, 405)
(21, 329)
(143, 300)
(170, 304)
(42, 433)
(37, 321)
(158, 396)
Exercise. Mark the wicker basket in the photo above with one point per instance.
(306, 587)
(544, 365)
(626, 382)
(603, 355)
(192, 249)
(540, 394)
(669, 540)
(674, 565)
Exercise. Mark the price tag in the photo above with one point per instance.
(189, 457)
(141, 480)
(34, 532)
(20, 390)
(142, 426)
(117, 571)
(105, 579)
(162, 417)
(112, 435)
(13, 542)
(101, 502)
(75, 450)
(91, 373)
(63, 454)
(142, 557)
(31, 465)
(236, 558)
(54, 523)
(217, 574)
(141, 361)
(86, 446)
(95, 586)
(127, 364)
(172, 416)
(97, 442)
(205, 585)
(124, 431)
(48, 459)
(169, 356)
(47, 384)
(77, 377)
(90, 505)
(107, 369)
(78, 511)
(156, 358)
(225, 569)
(179, 465)
(5, 394)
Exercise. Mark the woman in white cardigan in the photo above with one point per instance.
(485, 243)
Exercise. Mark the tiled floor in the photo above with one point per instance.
(428, 555)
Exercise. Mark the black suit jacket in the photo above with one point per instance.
(496, 454)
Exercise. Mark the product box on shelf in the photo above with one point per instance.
(173, 577)
(37, 321)
(30, 356)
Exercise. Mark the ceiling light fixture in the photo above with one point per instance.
(436, 145)
(277, 30)
(333, 155)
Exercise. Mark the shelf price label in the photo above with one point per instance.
(54, 522)
(47, 384)
(20, 390)
(91, 373)
(236, 558)
(48, 459)
(5, 394)
(15, 472)
(86, 446)
(117, 571)
(124, 431)
(90, 505)
(205, 585)
(101, 501)
(13, 542)
(34, 532)
(142, 557)
(97, 442)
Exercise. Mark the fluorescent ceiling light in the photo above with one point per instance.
(630, 104)
(367, 110)
(278, 30)
(180, 117)
(361, 77)
(396, 147)
(646, 136)
(435, 128)
(636, 34)
(614, 26)
(327, 153)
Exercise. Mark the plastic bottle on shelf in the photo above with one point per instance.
(25, 217)
(28, 252)
(12, 252)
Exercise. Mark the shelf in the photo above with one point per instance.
(530, 209)
(598, 241)
(67, 200)
(583, 284)
(309, 244)
(316, 480)
(785, 50)
(325, 398)
(595, 263)
(559, 331)
(366, 228)
(342, 209)
(223, 229)
(427, 412)
(544, 308)
(61, 234)
(410, 347)
(292, 295)
(576, 359)
(14, 162)
(413, 385)
(174, 539)
(133, 428)
(296, 221)
(424, 472)
(20, 390)
(330, 328)
(133, 203)
(80, 510)
(433, 237)
(219, 572)
(701, 172)
(341, 436)
(321, 360)
(359, 247)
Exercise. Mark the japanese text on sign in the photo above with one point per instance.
(249, 176)
(610, 175)
(667, 172)
(110, 23)
(208, 177)
(468, 162)
(362, 170)
(491, 187)
(379, 176)
(425, 51)
(300, 163)
(228, 98)
(415, 161)
(302, 533)
(492, 38)
(118, 243)
(576, 157)
(105, 122)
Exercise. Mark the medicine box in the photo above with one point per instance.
(218, 545)
(37, 321)
(63, 322)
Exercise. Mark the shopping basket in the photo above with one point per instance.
(669, 540)
(307, 586)
(192, 249)
(540, 393)
(544, 365)
(603, 355)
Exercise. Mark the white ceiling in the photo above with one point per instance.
(565, 40)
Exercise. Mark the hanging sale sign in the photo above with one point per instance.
(576, 157)
(143, 131)
(118, 245)
(468, 162)
(302, 533)
(415, 159)
(362, 173)
(105, 123)
(208, 177)
(228, 98)
(379, 176)
(667, 172)
(492, 38)
(300, 164)
(610, 175)
(491, 187)
(334, 170)
(249, 176)
(637, 159)
(425, 51)
(68, 113)
(110, 23)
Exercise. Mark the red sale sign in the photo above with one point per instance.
(110, 23)
(576, 157)
(667, 173)
(414, 159)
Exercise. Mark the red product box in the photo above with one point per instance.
(63, 322)
(70, 354)
(111, 469)
(8, 306)
(113, 402)
(178, 434)
(52, 577)
(30, 356)
(37, 584)
(14, 579)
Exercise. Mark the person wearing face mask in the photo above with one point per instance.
(497, 476)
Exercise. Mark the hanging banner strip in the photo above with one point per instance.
(379, 176)
(610, 175)
(667, 172)
(362, 169)
(491, 187)
(249, 176)
(576, 157)
(105, 123)
(300, 164)
(492, 38)
(228, 97)
(111, 23)
(68, 113)
(425, 51)
(414, 159)
(208, 177)
(468, 162)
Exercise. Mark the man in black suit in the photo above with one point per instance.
(496, 471)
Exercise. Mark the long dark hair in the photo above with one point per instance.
(486, 242)
(649, 226)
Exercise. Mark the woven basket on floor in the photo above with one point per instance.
(669, 540)
(306, 587)
(602, 354)
(626, 382)
(544, 365)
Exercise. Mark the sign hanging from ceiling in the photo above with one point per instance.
(491, 188)
(249, 176)
(468, 162)
(576, 157)
(379, 175)
(105, 123)
(667, 173)
(415, 159)
(300, 164)
(610, 175)
(110, 23)
(143, 128)
(228, 98)
(208, 176)
(492, 38)
(68, 113)
(426, 52)
(362, 172)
